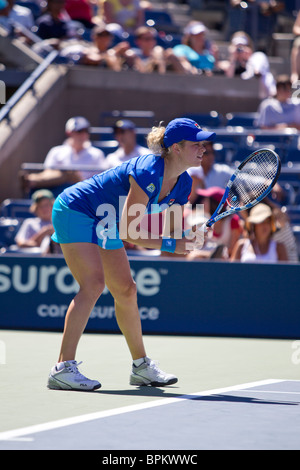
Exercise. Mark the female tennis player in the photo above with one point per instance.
(86, 218)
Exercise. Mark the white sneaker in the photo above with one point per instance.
(149, 374)
(66, 376)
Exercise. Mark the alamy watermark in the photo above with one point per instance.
(296, 354)
(136, 225)
(296, 93)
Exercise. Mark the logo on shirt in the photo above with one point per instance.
(171, 201)
(151, 188)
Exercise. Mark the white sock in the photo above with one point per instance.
(138, 362)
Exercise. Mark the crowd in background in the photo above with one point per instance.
(114, 34)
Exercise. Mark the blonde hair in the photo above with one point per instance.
(155, 140)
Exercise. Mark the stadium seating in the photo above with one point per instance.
(161, 21)
(212, 119)
(8, 231)
(15, 208)
(241, 119)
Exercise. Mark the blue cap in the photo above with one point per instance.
(185, 129)
(124, 124)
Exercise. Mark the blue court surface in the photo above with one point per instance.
(259, 414)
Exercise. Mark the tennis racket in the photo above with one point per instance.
(251, 182)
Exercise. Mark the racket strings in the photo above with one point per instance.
(253, 179)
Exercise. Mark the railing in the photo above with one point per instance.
(27, 85)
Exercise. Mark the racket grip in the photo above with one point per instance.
(203, 227)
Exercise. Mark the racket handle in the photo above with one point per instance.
(203, 227)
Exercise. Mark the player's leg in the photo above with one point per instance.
(85, 264)
(122, 287)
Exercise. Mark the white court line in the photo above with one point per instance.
(15, 434)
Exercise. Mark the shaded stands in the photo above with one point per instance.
(233, 144)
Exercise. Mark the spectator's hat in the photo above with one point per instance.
(124, 124)
(185, 129)
(214, 192)
(40, 194)
(102, 27)
(259, 214)
(76, 124)
(240, 41)
(195, 28)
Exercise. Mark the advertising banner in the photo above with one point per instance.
(174, 296)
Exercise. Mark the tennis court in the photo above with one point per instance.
(232, 393)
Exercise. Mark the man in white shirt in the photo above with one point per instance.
(75, 160)
(125, 134)
(281, 111)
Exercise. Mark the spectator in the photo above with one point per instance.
(55, 22)
(225, 232)
(260, 245)
(281, 111)
(15, 14)
(295, 52)
(195, 49)
(76, 152)
(284, 233)
(82, 11)
(149, 56)
(35, 231)
(127, 13)
(209, 173)
(258, 18)
(102, 53)
(246, 63)
(125, 134)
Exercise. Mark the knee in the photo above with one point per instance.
(126, 293)
(93, 287)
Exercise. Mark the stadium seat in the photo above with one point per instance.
(161, 21)
(241, 119)
(293, 155)
(293, 213)
(16, 208)
(8, 231)
(212, 119)
(107, 146)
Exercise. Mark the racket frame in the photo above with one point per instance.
(217, 216)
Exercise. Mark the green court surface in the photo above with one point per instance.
(201, 363)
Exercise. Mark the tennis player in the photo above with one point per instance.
(91, 242)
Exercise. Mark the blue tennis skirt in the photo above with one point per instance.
(76, 227)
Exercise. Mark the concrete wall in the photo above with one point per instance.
(167, 95)
(37, 122)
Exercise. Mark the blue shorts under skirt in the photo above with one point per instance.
(73, 227)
